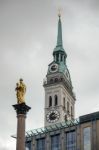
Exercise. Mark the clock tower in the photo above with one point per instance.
(59, 96)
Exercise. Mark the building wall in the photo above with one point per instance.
(94, 136)
(97, 135)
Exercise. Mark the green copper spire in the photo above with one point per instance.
(59, 45)
(59, 36)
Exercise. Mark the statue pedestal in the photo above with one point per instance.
(21, 110)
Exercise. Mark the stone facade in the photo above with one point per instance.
(90, 122)
(62, 94)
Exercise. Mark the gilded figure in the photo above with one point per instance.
(20, 91)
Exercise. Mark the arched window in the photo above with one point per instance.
(50, 101)
(64, 59)
(64, 102)
(68, 107)
(61, 57)
(56, 79)
(56, 100)
(61, 79)
(57, 57)
(71, 111)
(51, 80)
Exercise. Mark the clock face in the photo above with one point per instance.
(53, 68)
(52, 116)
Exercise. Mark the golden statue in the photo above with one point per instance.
(20, 91)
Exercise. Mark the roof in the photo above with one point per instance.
(51, 128)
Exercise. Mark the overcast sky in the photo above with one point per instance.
(28, 31)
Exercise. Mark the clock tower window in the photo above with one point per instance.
(61, 57)
(64, 59)
(56, 79)
(68, 107)
(64, 102)
(57, 57)
(56, 100)
(50, 101)
(51, 80)
(71, 111)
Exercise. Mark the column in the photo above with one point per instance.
(21, 110)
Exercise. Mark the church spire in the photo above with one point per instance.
(59, 36)
(59, 52)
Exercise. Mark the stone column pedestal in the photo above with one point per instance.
(21, 110)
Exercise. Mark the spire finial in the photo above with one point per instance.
(59, 36)
(59, 45)
(59, 12)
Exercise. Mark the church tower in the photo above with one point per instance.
(59, 96)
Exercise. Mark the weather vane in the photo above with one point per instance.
(59, 12)
(20, 91)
